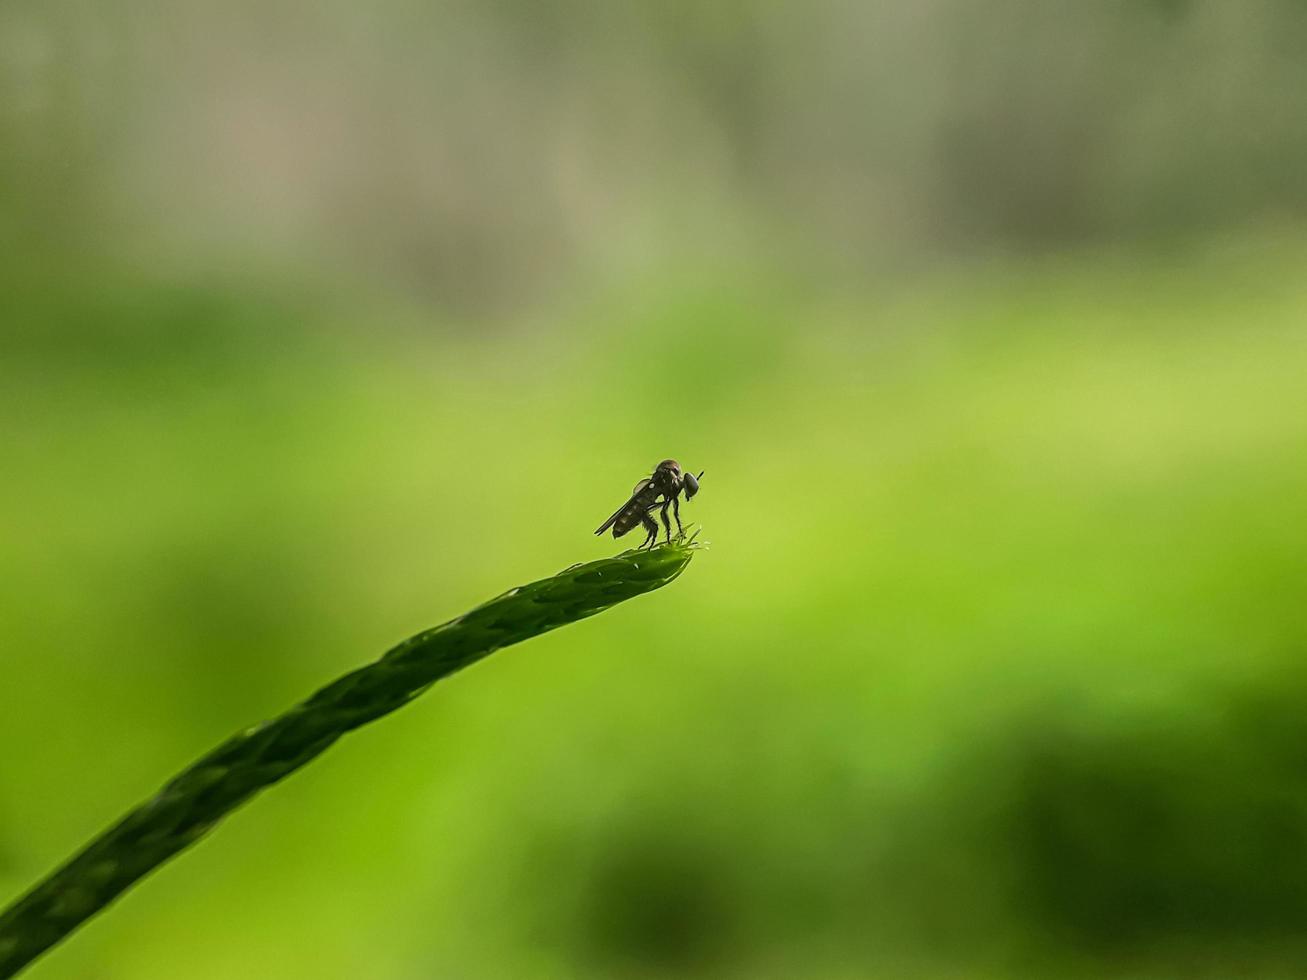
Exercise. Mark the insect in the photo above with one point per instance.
(667, 482)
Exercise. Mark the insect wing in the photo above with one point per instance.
(639, 487)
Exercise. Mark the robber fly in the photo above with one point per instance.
(667, 482)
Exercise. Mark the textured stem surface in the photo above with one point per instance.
(193, 802)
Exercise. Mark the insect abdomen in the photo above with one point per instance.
(630, 516)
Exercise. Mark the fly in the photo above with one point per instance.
(666, 482)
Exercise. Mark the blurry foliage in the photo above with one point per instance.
(1186, 823)
(493, 156)
(895, 726)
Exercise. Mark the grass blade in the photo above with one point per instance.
(199, 797)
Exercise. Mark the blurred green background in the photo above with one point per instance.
(988, 323)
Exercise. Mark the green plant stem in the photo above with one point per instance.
(200, 796)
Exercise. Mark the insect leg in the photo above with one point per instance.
(676, 510)
(667, 525)
(651, 528)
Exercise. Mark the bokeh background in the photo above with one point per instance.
(321, 323)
